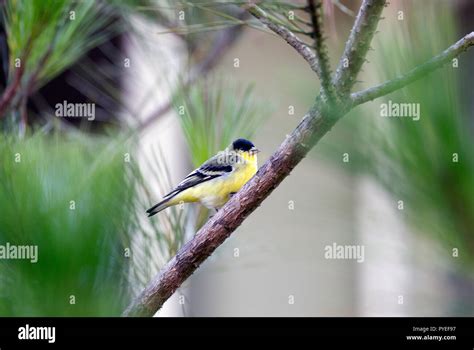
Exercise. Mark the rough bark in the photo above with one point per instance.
(321, 51)
(292, 40)
(357, 45)
(315, 124)
(311, 129)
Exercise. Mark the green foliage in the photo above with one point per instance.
(59, 30)
(80, 252)
(105, 248)
(414, 159)
(439, 192)
(153, 241)
(213, 114)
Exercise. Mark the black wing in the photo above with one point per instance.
(206, 172)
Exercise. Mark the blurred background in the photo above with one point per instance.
(172, 82)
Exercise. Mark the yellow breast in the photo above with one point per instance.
(216, 192)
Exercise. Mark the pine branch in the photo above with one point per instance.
(358, 44)
(14, 89)
(300, 47)
(315, 124)
(315, 10)
(223, 42)
(311, 129)
(414, 74)
(11, 90)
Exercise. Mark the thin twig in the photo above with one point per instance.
(23, 116)
(358, 44)
(414, 74)
(11, 90)
(316, 123)
(33, 79)
(224, 41)
(311, 129)
(300, 47)
(315, 10)
(343, 8)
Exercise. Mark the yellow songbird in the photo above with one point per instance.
(215, 181)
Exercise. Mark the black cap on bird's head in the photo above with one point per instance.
(244, 146)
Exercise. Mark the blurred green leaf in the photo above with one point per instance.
(54, 196)
(61, 30)
(414, 160)
(213, 114)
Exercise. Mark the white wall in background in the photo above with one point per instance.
(155, 64)
(403, 273)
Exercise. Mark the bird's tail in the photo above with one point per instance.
(165, 203)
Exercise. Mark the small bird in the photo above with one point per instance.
(216, 180)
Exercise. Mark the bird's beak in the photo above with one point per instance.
(254, 150)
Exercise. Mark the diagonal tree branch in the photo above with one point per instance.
(11, 90)
(414, 74)
(315, 124)
(315, 11)
(300, 47)
(358, 44)
(311, 129)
